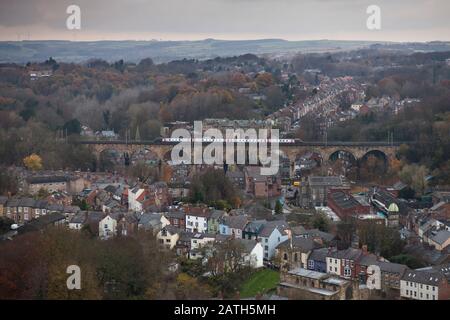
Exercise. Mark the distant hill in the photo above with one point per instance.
(164, 51)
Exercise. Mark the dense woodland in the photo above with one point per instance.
(121, 97)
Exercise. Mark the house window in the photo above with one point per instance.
(311, 264)
(331, 269)
(285, 256)
(266, 240)
(428, 296)
(347, 271)
(266, 248)
(296, 257)
(335, 269)
(106, 226)
(421, 295)
(407, 292)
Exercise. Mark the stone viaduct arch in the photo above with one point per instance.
(291, 151)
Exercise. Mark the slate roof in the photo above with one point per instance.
(216, 214)
(326, 181)
(301, 243)
(316, 233)
(41, 222)
(235, 222)
(247, 244)
(47, 179)
(344, 200)
(441, 237)
(430, 277)
(176, 214)
(79, 218)
(270, 226)
(319, 254)
(255, 226)
(391, 267)
(349, 254)
(110, 188)
(150, 219)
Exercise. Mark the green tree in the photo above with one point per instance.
(278, 207)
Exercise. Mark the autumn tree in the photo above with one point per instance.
(33, 162)
(415, 176)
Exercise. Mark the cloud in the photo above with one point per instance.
(169, 19)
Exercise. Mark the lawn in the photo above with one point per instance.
(261, 281)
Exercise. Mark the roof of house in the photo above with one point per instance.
(172, 229)
(247, 244)
(95, 216)
(150, 219)
(80, 217)
(47, 179)
(298, 230)
(441, 237)
(216, 214)
(349, 254)
(255, 226)
(110, 188)
(316, 233)
(203, 235)
(430, 277)
(326, 181)
(176, 214)
(42, 222)
(198, 212)
(185, 236)
(368, 259)
(270, 226)
(343, 199)
(235, 222)
(319, 254)
(391, 267)
(308, 273)
(298, 242)
(399, 185)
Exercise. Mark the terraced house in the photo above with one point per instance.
(22, 210)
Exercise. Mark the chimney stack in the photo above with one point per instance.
(364, 249)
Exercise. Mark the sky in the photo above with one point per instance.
(401, 20)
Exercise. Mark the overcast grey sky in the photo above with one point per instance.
(402, 20)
